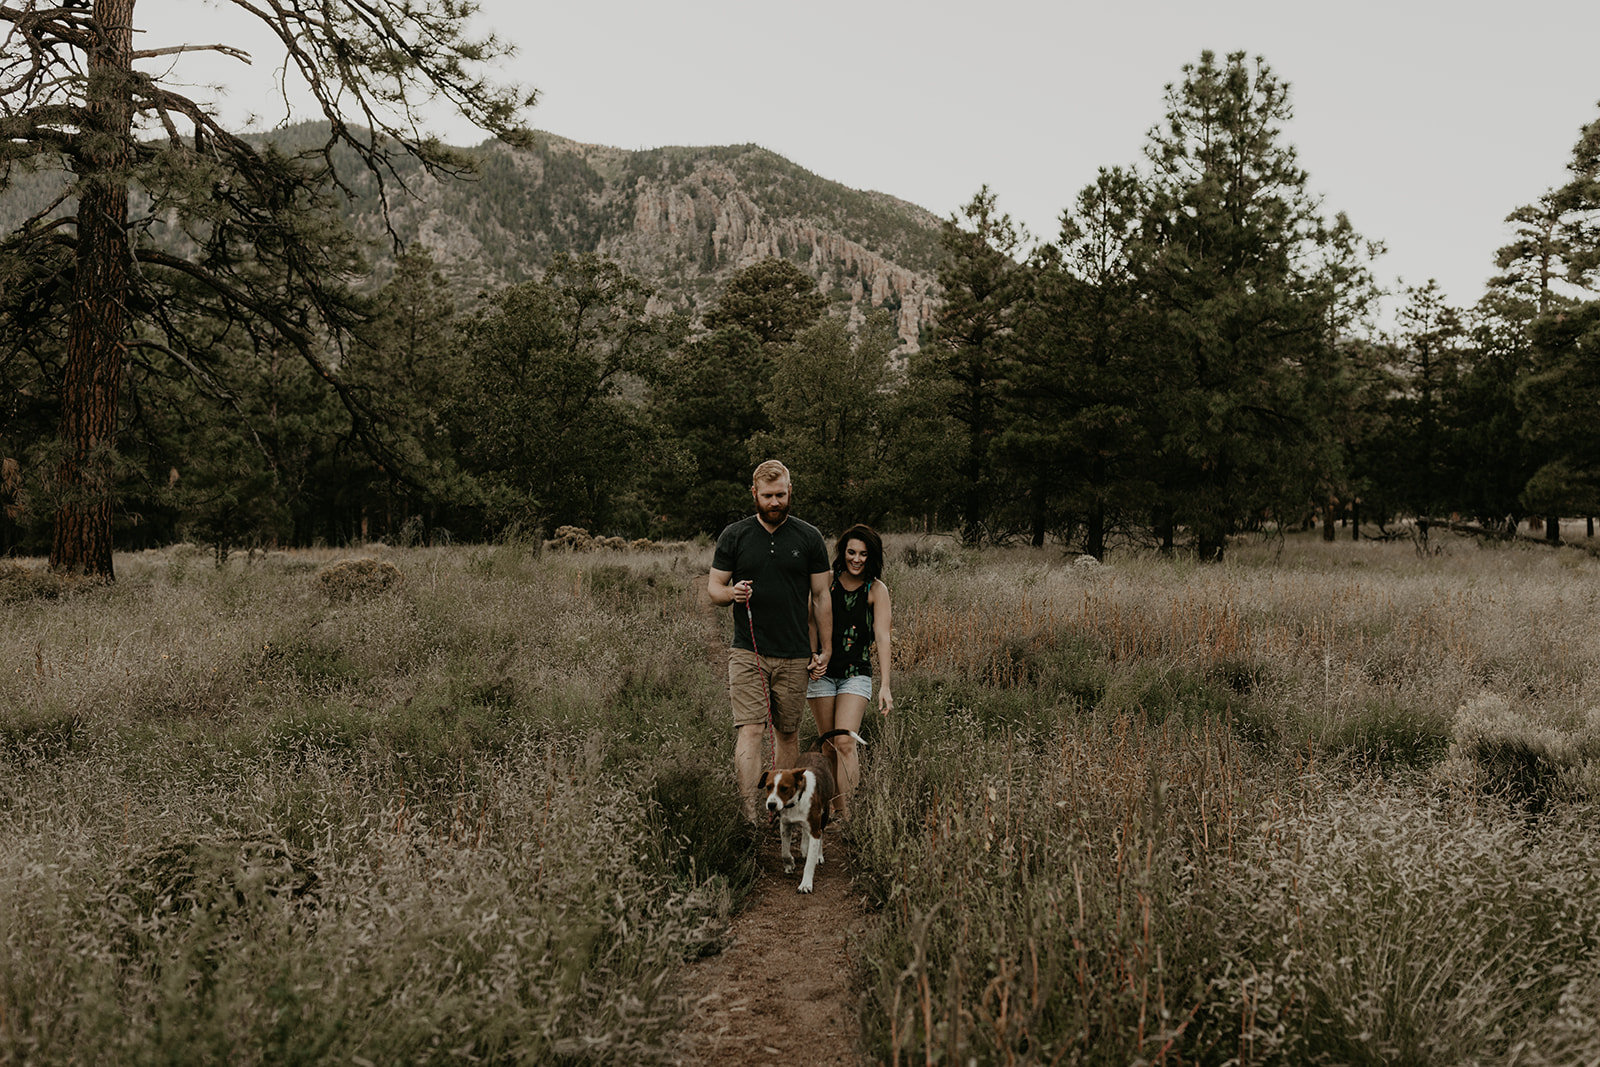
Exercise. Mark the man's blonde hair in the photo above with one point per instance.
(770, 471)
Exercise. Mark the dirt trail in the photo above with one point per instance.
(780, 992)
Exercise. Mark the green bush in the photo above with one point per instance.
(351, 578)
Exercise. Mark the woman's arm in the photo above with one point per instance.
(882, 623)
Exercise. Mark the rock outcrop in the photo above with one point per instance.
(682, 219)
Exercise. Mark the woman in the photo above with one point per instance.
(861, 618)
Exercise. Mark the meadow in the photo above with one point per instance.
(1325, 803)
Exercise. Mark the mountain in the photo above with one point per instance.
(681, 218)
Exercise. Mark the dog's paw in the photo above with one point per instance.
(805, 887)
(788, 866)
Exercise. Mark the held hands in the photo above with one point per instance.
(741, 591)
(885, 700)
(819, 664)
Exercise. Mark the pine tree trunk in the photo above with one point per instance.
(1328, 521)
(1040, 519)
(1094, 538)
(91, 385)
(1552, 529)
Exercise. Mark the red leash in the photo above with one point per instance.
(766, 692)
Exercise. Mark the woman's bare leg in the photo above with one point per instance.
(822, 714)
(846, 715)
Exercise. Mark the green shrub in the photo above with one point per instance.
(351, 578)
(1386, 731)
(34, 733)
(20, 582)
(1529, 762)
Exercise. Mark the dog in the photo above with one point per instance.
(801, 796)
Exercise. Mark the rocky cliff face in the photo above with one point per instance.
(683, 219)
(708, 215)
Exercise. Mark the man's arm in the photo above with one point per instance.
(822, 613)
(723, 591)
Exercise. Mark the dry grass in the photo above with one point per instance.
(243, 821)
(1321, 804)
(1273, 812)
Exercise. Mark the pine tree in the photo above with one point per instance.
(1080, 438)
(405, 367)
(772, 298)
(1231, 264)
(248, 234)
(1557, 256)
(828, 408)
(1429, 363)
(962, 374)
(553, 417)
(714, 396)
(1558, 404)
(711, 404)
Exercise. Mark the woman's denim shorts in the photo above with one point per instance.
(860, 685)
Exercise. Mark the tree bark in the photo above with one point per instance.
(1166, 529)
(1094, 536)
(91, 386)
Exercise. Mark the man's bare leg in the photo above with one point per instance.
(788, 748)
(747, 767)
(749, 760)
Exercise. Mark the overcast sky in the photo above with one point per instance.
(1426, 122)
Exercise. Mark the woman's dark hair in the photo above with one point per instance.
(867, 536)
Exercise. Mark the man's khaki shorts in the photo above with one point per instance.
(786, 681)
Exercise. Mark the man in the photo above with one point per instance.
(776, 568)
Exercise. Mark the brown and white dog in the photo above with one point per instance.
(801, 796)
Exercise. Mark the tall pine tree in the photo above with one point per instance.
(258, 242)
(1080, 439)
(1231, 264)
(961, 376)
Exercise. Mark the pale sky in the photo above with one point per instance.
(1426, 122)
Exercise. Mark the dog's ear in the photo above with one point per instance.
(763, 783)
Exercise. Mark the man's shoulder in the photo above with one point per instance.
(805, 528)
(801, 530)
(732, 543)
(736, 527)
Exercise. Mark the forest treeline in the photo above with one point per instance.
(1193, 356)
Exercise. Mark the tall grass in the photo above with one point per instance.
(242, 820)
(1317, 806)
(1322, 804)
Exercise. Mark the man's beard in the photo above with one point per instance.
(774, 516)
